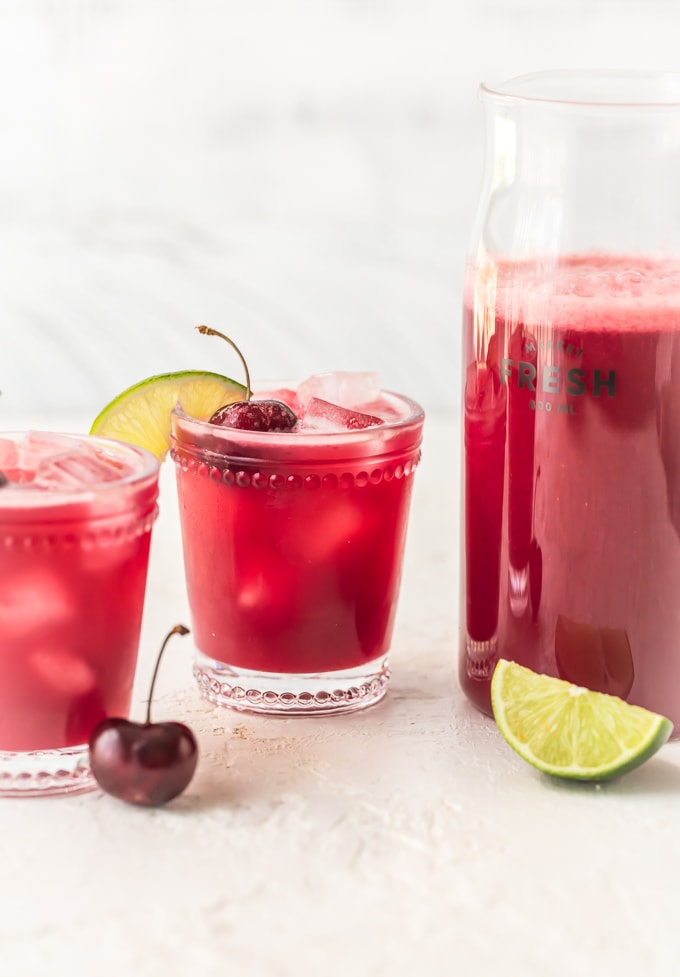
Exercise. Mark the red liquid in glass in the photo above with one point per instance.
(299, 578)
(572, 491)
(293, 558)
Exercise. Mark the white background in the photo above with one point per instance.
(300, 174)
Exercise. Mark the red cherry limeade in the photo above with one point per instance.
(293, 542)
(73, 570)
(572, 476)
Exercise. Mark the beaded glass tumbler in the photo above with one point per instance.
(76, 514)
(293, 546)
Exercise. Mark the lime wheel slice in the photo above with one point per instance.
(141, 414)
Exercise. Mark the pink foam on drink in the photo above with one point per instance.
(616, 293)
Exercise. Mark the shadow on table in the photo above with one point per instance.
(210, 793)
(657, 776)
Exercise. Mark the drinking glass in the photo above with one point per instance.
(571, 376)
(293, 545)
(76, 514)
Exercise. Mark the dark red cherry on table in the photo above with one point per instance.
(144, 763)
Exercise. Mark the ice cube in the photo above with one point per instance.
(321, 415)
(20, 458)
(268, 599)
(80, 467)
(63, 671)
(342, 524)
(346, 389)
(40, 445)
(8, 454)
(31, 602)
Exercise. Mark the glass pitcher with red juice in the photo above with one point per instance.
(571, 400)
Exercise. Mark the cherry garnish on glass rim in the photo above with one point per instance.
(144, 763)
(249, 414)
(256, 415)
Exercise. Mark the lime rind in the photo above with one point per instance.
(570, 732)
(141, 414)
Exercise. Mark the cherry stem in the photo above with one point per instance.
(207, 331)
(178, 629)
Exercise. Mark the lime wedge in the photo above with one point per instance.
(141, 414)
(568, 731)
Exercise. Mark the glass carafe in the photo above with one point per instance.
(571, 380)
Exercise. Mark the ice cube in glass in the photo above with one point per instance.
(341, 387)
(321, 415)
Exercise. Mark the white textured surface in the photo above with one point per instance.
(407, 840)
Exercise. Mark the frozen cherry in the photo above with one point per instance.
(281, 416)
(144, 763)
(256, 415)
(248, 414)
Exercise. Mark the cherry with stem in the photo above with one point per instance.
(208, 331)
(249, 414)
(144, 763)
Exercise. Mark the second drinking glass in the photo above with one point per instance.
(76, 514)
(293, 545)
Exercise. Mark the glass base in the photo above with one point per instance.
(481, 658)
(45, 773)
(518, 590)
(274, 694)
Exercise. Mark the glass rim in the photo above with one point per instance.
(416, 415)
(312, 449)
(148, 468)
(583, 88)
